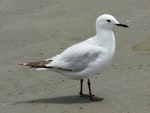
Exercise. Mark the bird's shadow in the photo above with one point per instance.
(75, 99)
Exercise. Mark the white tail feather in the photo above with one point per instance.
(41, 69)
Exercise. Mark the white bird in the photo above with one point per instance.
(86, 58)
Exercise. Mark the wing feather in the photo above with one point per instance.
(75, 58)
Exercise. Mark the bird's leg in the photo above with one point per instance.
(81, 86)
(81, 90)
(89, 86)
(92, 97)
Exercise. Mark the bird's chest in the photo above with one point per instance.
(101, 62)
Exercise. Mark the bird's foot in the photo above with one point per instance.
(94, 98)
(85, 95)
(91, 97)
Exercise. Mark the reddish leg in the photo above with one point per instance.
(81, 86)
(81, 90)
(92, 97)
(89, 86)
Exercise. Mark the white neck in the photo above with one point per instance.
(105, 38)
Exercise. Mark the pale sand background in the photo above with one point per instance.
(32, 30)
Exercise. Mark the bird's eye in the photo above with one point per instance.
(109, 21)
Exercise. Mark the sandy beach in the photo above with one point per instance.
(32, 30)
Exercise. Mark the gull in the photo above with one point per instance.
(87, 58)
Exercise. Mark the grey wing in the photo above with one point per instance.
(75, 59)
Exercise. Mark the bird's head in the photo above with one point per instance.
(107, 21)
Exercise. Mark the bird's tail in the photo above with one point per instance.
(38, 64)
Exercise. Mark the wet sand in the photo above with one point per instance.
(35, 30)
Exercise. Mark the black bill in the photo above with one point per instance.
(122, 25)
